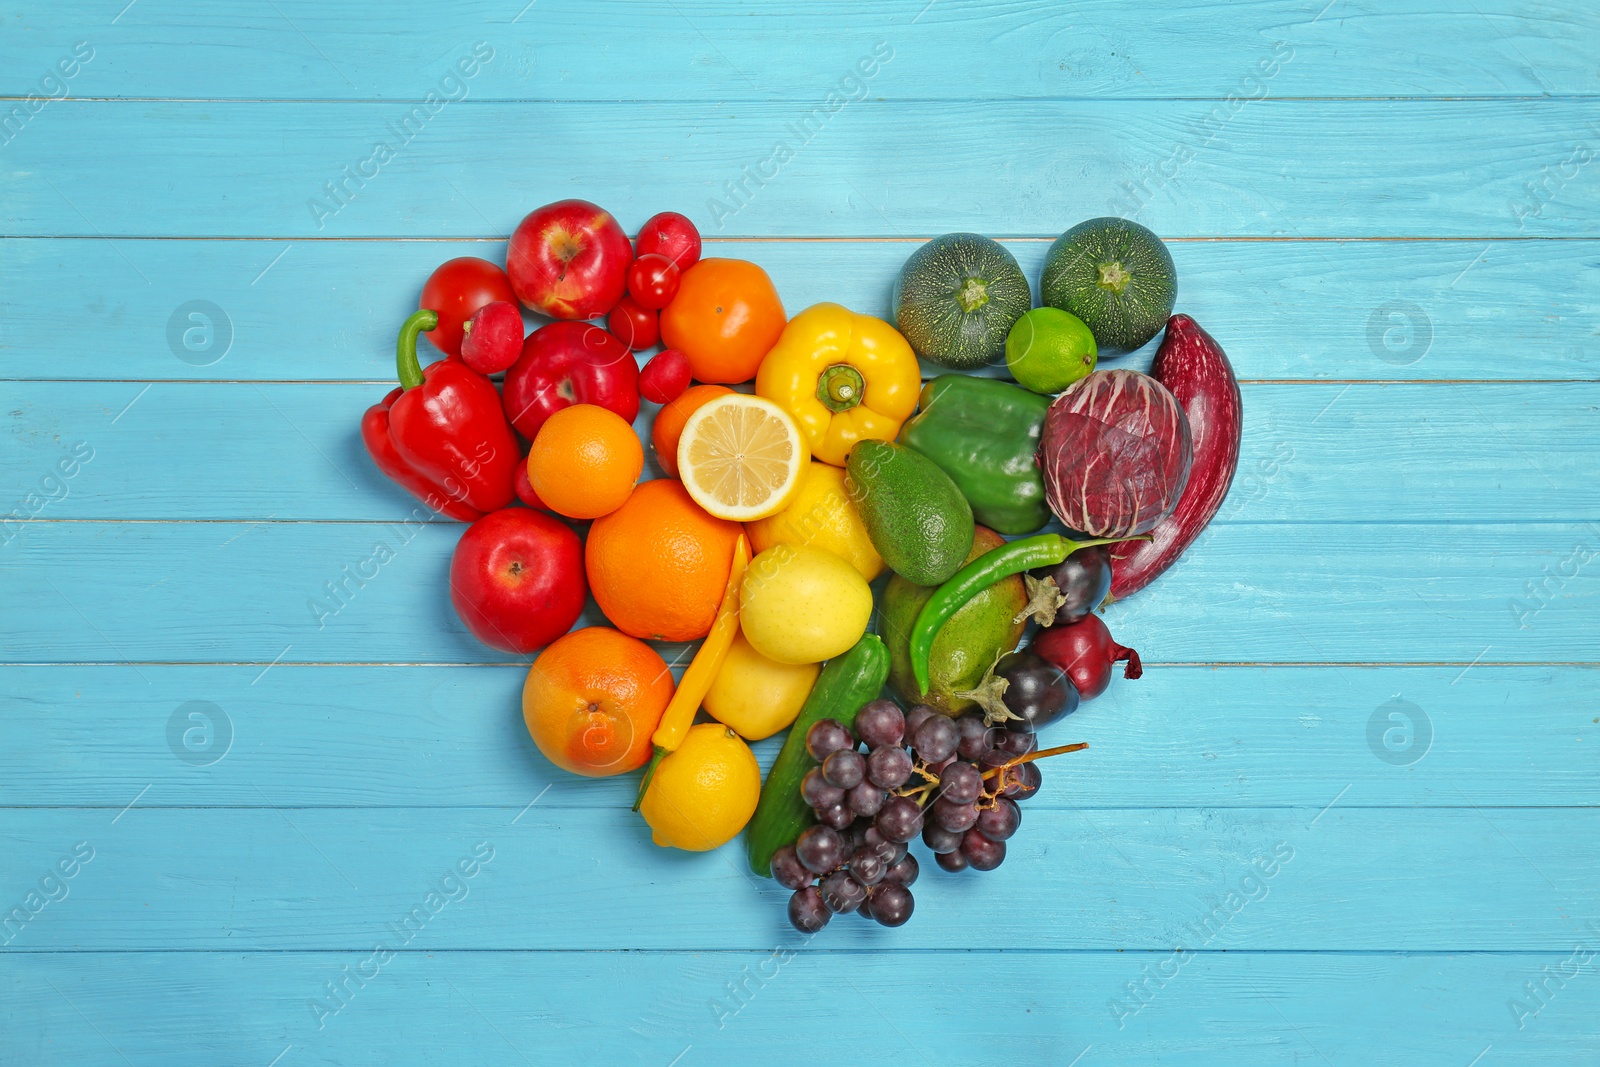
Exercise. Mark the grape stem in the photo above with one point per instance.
(1030, 757)
(922, 793)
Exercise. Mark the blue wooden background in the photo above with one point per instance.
(1380, 662)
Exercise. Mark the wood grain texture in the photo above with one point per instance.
(1312, 452)
(1381, 656)
(425, 1007)
(1347, 592)
(1429, 879)
(563, 50)
(1212, 737)
(1275, 168)
(329, 309)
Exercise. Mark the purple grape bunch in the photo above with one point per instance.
(922, 774)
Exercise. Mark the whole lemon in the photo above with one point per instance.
(757, 696)
(799, 604)
(822, 516)
(704, 792)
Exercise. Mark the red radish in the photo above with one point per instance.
(492, 339)
(1085, 653)
(1194, 367)
(672, 235)
(665, 377)
(635, 326)
(1114, 453)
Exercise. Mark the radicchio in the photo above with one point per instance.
(1115, 454)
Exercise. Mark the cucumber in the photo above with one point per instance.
(846, 683)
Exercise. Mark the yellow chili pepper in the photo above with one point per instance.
(844, 377)
(701, 672)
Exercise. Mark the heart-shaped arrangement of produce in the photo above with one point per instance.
(776, 506)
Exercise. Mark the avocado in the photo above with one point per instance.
(916, 516)
(966, 647)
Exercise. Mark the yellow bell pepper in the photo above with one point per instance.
(844, 377)
(701, 672)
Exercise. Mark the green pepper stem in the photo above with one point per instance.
(841, 387)
(1041, 550)
(405, 346)
(649, 772)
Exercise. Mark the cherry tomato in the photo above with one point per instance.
(455, 291)
(635, 326)
(672, 235)
(653, 280)
(665, 377)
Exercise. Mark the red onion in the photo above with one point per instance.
(1115, 454)
(1085, 653)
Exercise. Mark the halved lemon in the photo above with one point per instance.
(741, 457)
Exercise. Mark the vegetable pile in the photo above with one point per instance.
(793, 460)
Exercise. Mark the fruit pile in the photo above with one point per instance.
(799, 459)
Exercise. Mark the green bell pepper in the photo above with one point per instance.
(983, 433)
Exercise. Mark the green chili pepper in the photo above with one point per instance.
(1041, 550)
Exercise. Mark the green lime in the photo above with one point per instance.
(1049, 349)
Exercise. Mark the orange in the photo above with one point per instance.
(585, 461)
(670, 420)
(725, 318)
(658, 565)
(592, 700)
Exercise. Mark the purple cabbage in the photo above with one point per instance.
(1115, 454)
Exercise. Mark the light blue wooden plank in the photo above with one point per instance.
(1234, 1009)
(1284, 309)
(1179, 736)
(226, 592)
(732, 52)
(1312, 452)
(1278, 169)
(1503, 879)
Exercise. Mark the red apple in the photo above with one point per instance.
(516, 579)
(566, 363)
(569, 260)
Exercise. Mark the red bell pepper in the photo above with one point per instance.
(443, 434)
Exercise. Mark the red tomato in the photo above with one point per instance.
(653, 280)
(455, 292)
(635, 326)
(665, 377)
(672, 235)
